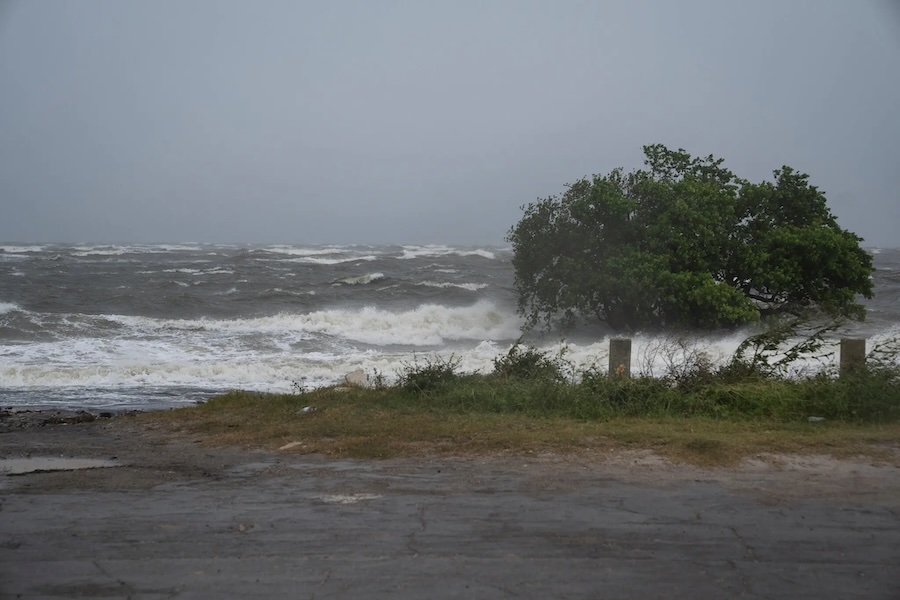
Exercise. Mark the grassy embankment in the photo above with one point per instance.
(527, 406)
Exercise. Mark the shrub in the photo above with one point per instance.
(435, 373)
(687, 364)
(529, 363)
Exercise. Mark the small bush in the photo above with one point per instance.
(434, 374)
(884, 359)
(687, 364)
(529, 363)
(866, 395)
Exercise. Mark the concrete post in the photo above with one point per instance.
(853, 354)
(620, 358)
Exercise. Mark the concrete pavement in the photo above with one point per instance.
(276, 526)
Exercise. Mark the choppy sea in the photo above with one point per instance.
(152, 326)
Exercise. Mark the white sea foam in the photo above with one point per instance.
(314, 260)
(22, 249)
(215, 355)
(102, 250)
(427, 325)
(8, 307)
(186, 247)
(125, 363)
(187, 271)
(361, 279)
(411, 252)
(472, 287)
(85, 250)
(305, 251)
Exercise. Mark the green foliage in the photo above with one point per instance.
(771, 352)
(685, 243)
(529, 363)
(432, 374)
(884, 358)
(752, 386)
(865, 397)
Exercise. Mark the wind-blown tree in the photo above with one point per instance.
(685, 243)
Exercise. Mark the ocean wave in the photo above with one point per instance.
(263, 374)
(10, 249)
(193, 359)
(116, 250)
(143, 366)
(187, 271)
(278, 292)
(84, 251)
(185, 247)
(427, 325)
(360, 279)
(412, 252)
(472, 287)
(134, 364)
(305, 251)
(216, 374)
(8, 307)
(313, 260)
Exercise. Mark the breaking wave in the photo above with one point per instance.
(8, 307)
(426, 325)
(313, 260)
(360, 279)
(411, 252)
(472, 287)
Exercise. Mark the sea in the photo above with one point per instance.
(144, 327)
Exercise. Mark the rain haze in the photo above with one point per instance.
(422, 122)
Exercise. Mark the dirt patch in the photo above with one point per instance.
(152, 455)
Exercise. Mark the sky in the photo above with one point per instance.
(392, 121)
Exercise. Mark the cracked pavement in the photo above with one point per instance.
(184, 521)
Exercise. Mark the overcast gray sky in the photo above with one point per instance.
(423, 121)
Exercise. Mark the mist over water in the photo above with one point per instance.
(148, 326)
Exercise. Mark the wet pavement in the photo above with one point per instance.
(45, 464)
(265, 525)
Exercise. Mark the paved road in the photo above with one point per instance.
(217, 524)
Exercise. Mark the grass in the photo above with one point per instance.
(704, 422)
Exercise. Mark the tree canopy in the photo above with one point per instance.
(685, 243)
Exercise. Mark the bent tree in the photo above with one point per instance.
(685, 243)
